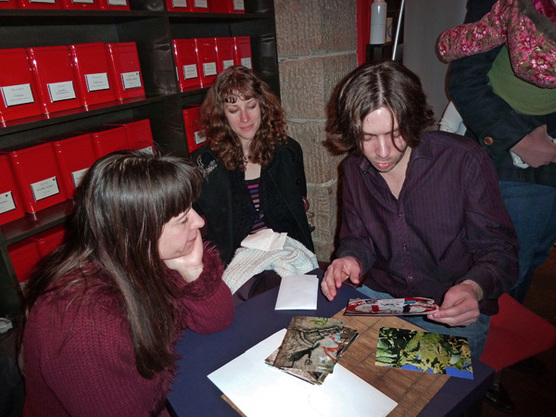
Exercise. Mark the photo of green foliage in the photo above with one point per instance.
(424, 351)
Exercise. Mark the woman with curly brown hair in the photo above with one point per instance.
(255, 177)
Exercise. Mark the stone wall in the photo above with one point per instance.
(317, 43)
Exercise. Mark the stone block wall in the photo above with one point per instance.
(317, 46)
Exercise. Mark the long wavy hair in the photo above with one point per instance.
(234, 83)
(366, 89)
(112, 233)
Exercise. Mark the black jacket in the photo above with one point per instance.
(227, 206)
(489, 119)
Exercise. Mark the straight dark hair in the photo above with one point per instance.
(370, 87)
(119, 211)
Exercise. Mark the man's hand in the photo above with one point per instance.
(460, 306)
(536, 148)
(339, 270)
(191, 265)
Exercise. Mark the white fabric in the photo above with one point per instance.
(292, 259)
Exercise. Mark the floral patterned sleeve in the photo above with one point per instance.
(472, 38)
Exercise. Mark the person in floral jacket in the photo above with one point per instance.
(527, 27)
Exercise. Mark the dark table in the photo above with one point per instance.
(193, 394)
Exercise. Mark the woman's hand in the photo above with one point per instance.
(191, 265)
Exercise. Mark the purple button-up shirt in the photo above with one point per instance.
(449, 223)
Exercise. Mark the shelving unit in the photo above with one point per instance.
(152, 28)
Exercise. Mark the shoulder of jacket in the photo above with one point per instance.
(207, 161)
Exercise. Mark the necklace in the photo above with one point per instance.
(245, 159)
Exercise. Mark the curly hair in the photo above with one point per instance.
(366, 89)
(234, 83)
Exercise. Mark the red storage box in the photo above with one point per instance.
(191, 119)
(243, 51)
(227, 6)
(91, 73)
(185, 54)
(206, 58)
(179, 5)
(19, 91)
(140, 136)
(114, 4)
(25, 256)
(80, 4)
(109, 140)
(49, 240)
(11, 207)
(202, 6)
(39, 4)
(125, 69)
(74, 156)
(38, 177)
(8, 4)
(53, 73)
(224, 53)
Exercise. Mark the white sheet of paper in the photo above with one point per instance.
(259, 390)
(265, 239)
(298, 292)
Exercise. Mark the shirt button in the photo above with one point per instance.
(404, 247)
(410, 278)
(488, 140)
(400, 214)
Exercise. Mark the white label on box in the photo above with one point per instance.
(77, 176)
(131, 79)
(82, 1)
(227, 63)
(202, 4)
(179, 3)
(6, 202)
(97, 82)
(43, 1)
(199, 138)
(148, 150)
(17, 94)
(117, 2)
(246, 62)
(209, 68)
(61, 91)
(45, 188)
(190, 71)
(239, 5)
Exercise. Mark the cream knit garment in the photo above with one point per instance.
(293, 259)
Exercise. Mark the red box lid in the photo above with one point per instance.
(91, 73)
(114, 4)
(18, 88)
(49, 239)
(224, 53)
(53, 73)
(125, 69)
(227, 6)
(191, 119)
(81, 4)
(8, 4)
(38, 177)
(109, 140)
(206, 58)
(243, 51)
(185, 53)
(24, 256)
(179, 5)
(39, 4)
(74, 156)
(11, 207)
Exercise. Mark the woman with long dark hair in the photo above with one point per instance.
(106, 308)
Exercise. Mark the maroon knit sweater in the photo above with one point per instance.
(81, 362)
